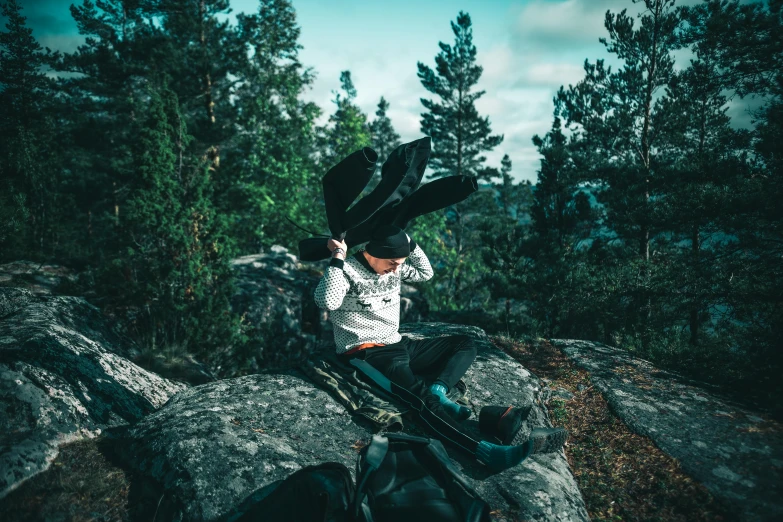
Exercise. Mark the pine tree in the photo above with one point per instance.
(270, 170)
(615, 114)
(707, 158)
(506, 187)
(559, 204)
(173, 269)
(745, 38)
(744, 41)
(384, 137)
(202, 54)
(533, 261)
(459, 137)
(99, 85)
(627, 99)
(384, 140)
(504, 231)
(347, 130)
(459, 134)
(29, 203)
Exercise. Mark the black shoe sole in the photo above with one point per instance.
(548, 440)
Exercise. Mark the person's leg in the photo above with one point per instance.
(387, 367)
(393, 363)
(446, 359)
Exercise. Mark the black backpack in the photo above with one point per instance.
(320, 493)
(412, 479)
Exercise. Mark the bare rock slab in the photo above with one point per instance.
(213, 445)
(733, 451)
(63, 376)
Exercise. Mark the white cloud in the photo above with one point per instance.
(548, 74)
(67, 43)
(741, 110)
(561, 25)
(541, 45)
(498, 63)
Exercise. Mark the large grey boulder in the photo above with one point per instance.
(733, 451)
(213, 445)
(64, 375)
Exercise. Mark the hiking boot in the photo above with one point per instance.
(541, 440)
(547, 440)
(503, 423)
(457, 411)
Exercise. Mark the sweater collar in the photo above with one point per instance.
(363, 261)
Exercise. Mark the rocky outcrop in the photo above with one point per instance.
(735, 453)
(272, 295)
(65, 374)
(414, 308)
(39, 278)
(213, 445)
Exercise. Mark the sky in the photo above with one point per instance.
(527, 48)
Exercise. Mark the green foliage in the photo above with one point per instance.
(428, 231)
(459, 134)
(171, 263)
(459, 137)
(270, 169)
(384, 137)
(650, 230)
(29, 207)
(615, 120)
(347, 130)
(99, 87)
(202, 54)
(172, 141)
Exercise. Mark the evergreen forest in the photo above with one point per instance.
(173, 141)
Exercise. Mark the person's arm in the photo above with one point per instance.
(334, 284)
(419, 269)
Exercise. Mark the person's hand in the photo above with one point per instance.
(333, 243)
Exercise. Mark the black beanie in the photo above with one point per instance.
(388, 242)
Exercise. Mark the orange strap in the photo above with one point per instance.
(504, 414)
(362, 347)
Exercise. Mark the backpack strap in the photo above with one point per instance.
(370, 371)
(414, 498)
(472, 505)
(395, 437)
(373, 457)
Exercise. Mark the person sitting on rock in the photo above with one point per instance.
(362, 294)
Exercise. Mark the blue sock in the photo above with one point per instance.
(502, 457)
(457, 411)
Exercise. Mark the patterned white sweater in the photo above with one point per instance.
(364, 307)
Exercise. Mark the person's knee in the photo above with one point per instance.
(467, 344)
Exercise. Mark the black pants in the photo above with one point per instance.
(410, 363)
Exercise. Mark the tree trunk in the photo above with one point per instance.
(116, 204)
(213, 151)
(644, 243)
(695, 250)
(695, 239)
